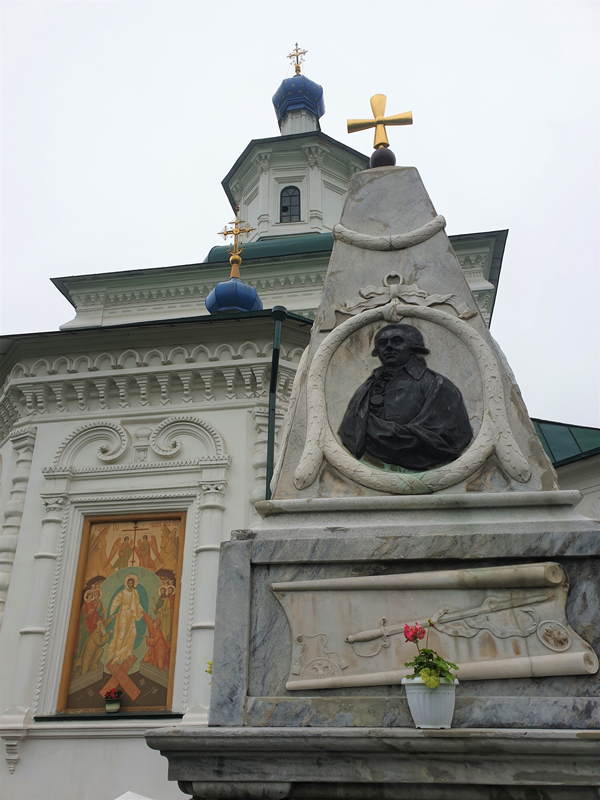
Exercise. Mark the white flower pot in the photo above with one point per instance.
(431, 708)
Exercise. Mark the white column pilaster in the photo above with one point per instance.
(23, 442)
(18, 716)
(315, 155)
(263, 221)
(206, 574)
(32, 634)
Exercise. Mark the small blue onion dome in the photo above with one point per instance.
(233, 295)
(299, 92)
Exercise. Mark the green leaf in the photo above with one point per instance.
(430, 678)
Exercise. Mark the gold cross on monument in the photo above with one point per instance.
(235, 249)
(299, 56)
(380, 121)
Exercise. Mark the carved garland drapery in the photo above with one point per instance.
(399, 241)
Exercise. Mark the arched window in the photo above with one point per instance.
(290, 204)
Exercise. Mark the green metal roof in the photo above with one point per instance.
(567, 443)
(305, 243)
(277, 247)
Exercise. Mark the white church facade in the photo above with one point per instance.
(132, 442)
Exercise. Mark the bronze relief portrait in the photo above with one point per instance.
(405, 414)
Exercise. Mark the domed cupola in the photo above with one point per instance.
(299, 101)
(234, 294)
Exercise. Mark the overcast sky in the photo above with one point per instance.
(121, 118)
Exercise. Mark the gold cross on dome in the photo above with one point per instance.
(236, 248)
(299, 56)
(380, 121)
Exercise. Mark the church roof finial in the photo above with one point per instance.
(236, 248)
(234, 294)
(298, 56)
(298, 94)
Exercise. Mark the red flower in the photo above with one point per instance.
(412, 633)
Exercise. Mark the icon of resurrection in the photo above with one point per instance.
(405, 414)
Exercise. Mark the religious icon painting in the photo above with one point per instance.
(123, 627)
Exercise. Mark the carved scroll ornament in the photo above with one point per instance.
(494, 434)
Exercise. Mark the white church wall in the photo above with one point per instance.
(295, 281)
(105, 427)
(584, 476)
(85, 764)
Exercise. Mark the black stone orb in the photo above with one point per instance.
(382, 157)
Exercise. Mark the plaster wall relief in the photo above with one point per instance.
(498, 622)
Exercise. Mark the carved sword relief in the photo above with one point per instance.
(494, 622)
(465, 622)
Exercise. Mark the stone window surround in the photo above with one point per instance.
(196, 488)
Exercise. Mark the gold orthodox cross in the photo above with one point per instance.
(380, 121)
(299, 56)
(236, 248)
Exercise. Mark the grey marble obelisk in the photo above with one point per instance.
(410, 485)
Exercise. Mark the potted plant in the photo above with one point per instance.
(430, 689)
(112, 700)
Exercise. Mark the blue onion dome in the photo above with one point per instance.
(233, 295)
(297, 93)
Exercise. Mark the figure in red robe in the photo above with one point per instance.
(158, 650)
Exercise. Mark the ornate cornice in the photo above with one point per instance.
(155, 357)
(136, 380)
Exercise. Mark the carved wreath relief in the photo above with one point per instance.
(405, 414)
(315, 660)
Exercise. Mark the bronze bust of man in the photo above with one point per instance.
(405, 414)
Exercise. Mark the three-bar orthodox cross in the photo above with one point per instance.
(379, 121)
(236, 248)
(298, 56)
(134, 530)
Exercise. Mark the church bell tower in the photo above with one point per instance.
(294, 183)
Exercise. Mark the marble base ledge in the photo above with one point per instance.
(381, 763)
(511, 512)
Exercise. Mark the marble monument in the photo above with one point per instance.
(410, 486)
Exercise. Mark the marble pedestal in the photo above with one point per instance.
(510, 735)
(382, 764)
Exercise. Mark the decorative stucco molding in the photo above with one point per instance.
(155, 357)
(164, 443)
(114, 441)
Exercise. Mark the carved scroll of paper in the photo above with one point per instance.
(498, 622)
